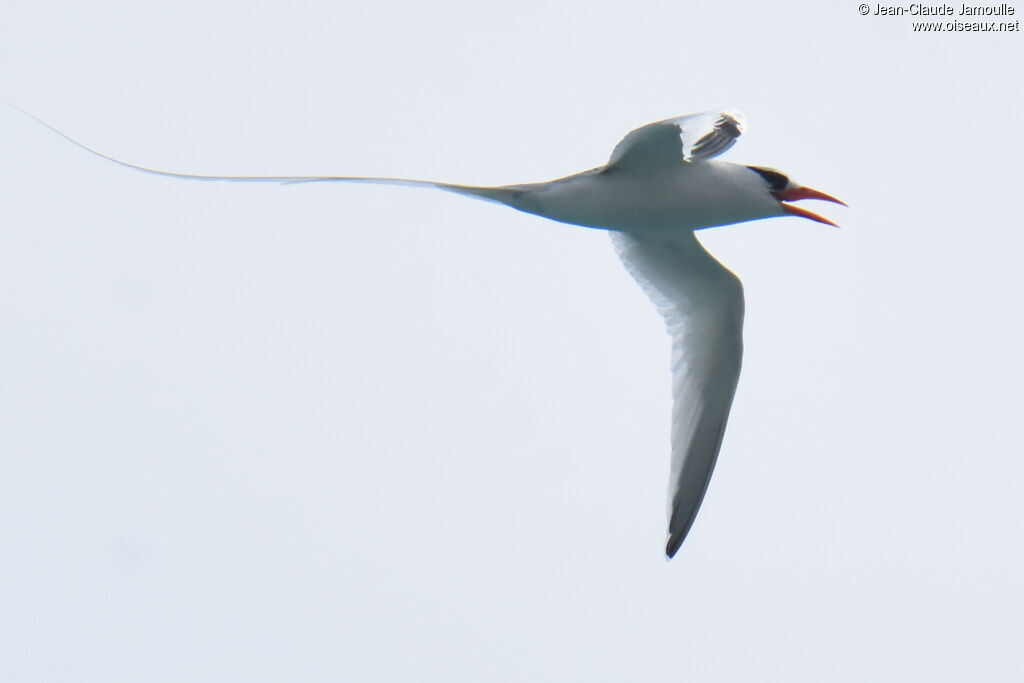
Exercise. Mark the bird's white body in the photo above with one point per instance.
(684, 197)
(660, 185)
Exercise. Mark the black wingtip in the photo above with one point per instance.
(674, 543)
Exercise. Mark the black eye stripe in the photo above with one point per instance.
(775, 180)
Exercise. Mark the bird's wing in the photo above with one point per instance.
(666, 143)
(702, 303)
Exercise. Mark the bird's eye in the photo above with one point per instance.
(776, 181)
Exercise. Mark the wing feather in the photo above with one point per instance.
(684, 138)
(702, 303)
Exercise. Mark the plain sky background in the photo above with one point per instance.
(350, 433)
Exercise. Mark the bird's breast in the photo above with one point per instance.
(690, 197)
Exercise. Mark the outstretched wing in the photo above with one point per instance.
(666, 143)
(702, 303)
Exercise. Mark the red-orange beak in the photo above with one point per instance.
(794, 194)
(797, 193)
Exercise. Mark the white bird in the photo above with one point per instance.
(660, 185)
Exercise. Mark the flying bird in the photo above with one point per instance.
(661, 184)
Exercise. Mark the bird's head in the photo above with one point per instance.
(783, 189)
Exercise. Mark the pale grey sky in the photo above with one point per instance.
(330, 433)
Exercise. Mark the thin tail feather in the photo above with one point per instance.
(493, 194)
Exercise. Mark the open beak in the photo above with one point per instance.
(794, 194)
